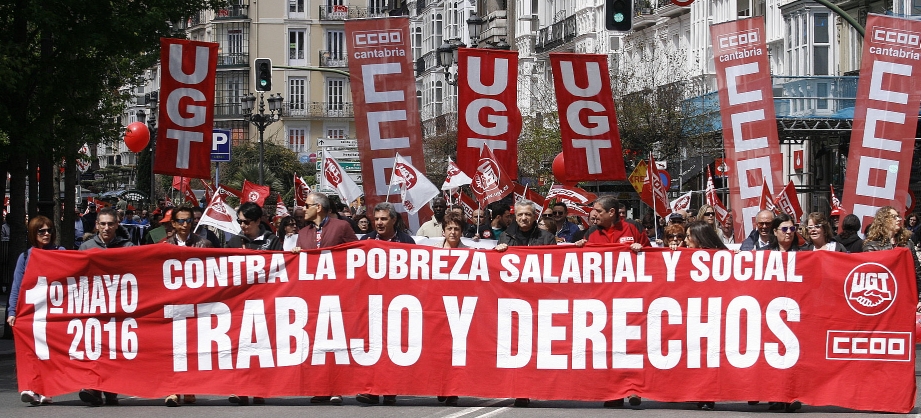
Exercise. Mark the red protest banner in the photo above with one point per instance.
(186, 108)
(752, 147)
(821, 327)
(487, 97)
(588, 121)
(885, 118)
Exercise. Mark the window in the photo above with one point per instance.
(821, 90)
(235, 47)
(376, 7)
(335, 44)
(297, 140)
(820, 34)
(297, 96)
(916, 7)
(820, 60)
(335, 96)
(297, 46)
(228, 89)
(336, 132)
(295, 7)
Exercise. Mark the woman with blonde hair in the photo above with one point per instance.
(708, 214)
(887, 232)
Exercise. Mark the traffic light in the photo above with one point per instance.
(618, 15)
(263, 71)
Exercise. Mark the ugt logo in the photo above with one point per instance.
(333, 175)
(870, 289)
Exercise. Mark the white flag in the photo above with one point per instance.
(335, 177)
(220, 215)
(683, 202)
(456, 178)
(415, 189)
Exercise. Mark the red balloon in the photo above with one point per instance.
(559, 171)
(137, 136)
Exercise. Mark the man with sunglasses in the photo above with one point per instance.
(322, 230)
(763, 234)
(253, 236)
(565, 230)
(182, 220)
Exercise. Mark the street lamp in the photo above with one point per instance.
(474, 25)
(151, 100)
(261, 119)
(447, 56)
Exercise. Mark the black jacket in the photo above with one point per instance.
(535, 236)
(852, 243)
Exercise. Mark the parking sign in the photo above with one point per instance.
(220, 146)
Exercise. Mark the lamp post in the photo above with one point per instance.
(261, 119)
(447, 52)
(151, 100)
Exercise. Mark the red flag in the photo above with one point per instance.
(487, 96)
(788, 202)
(209, 190)
(657, 189)
(468, 204)
(97, 202)
(490, 183)
(253, 192)
(835, 203)
(179, 182)
(714, 201)
(767, 199)
(301, 190)
(522, 192)
(588, 123)
(571, 194)
(184, 186)
(186, 108)
(225, 191)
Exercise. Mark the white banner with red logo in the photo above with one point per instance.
(386, 112)
(415, 189)
(560, 192)
(821, 327)
(885, 118)
(186, 116)
(588, 121)
(487, 102)
(747, 111)
(334, 177)
(219, 214)
(301, 190)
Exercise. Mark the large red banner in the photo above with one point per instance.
(752, 147)
(386, 113)
(186, 108)
(824, 328)
(885, 118)
(487, 99)
(588, 121)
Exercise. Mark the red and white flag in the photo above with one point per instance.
(255, 193)
(334, 177)
(184, 133)
(714, 200)
(209, 190)
(524, 192)
(301, 190)
(573, 194)
(835, 203)
(219, 214)
(456, 178)
(588, 121)
(225, 191)
(415, 189)
(490, 183)
(767, 198)
(658, 196)
(280, 210)
(185, 187)
(788, 202)
(683, 202)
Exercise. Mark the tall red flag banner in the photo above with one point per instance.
(657, 193)
(588, 121)
(487, 102)
(490, 183)
(822, 327)
(747, 111)
(885, 118)
(186, 117)
(386, 113)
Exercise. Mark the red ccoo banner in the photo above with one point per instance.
(747, 111)
(186, 108)
(821, 327)
(885, 118)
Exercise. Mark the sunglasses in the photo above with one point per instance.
(244, 221)
(786, 229)
(813, 226)
(183, 221)
(44, 231)
(559, 213)
(708, 213)
(674, 236)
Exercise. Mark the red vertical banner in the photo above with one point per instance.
(588, 121)
(752, 148)
(487, 102)
(885, 117)
(384, 95)
(186, 108)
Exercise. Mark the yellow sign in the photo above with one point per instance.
(638, 176)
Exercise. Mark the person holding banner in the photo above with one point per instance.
(760, 237)
(524, 232)
(818, 234)
(387, 225)
(322, 230)
(41, 235)
(701, 235)
(181, 220)
(253, 236)
(565, 230)
(609, 228)
(887, 232)
(785, 236)
(675, 236)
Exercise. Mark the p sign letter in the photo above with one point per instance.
(220, 145)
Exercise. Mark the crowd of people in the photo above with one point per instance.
(320, 224)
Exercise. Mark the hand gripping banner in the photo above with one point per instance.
(824, 328)
(747, 111)
(885, 118)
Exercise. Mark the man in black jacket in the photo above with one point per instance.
(524, 231)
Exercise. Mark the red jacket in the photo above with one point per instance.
(333, 232)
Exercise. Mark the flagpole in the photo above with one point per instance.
(390, 183)
(655, 214)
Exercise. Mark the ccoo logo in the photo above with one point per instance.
(870, 289)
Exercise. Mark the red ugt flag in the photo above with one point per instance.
(490, 183)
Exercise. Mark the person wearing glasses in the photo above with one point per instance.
(322, 230)
(565, 230)
(106, 237)
(675, 236)
(818, 234)
(287, 232)
(547, 224)
(182, 219)
(761, 236)
(253, 236)
(362, 223)
(708, 214)
(41, 235)
(785, 235)
(887, 232)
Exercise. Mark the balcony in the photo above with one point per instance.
(235, 60)
(556, 34)
(236, 11)
(342, 12)
(228, 110)
(427, 62)
(420, 6)
(644, 18)
(319, 110)
(334, 59)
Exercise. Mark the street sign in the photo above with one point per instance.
(342, 143)
(337, 154)
(220, 145)
(346, 165)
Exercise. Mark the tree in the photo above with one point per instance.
(280, 166)
(540, 141)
